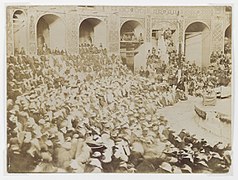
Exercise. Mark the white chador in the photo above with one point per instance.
(163, 49)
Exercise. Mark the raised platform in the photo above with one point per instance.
(215, 119)
(182, 116)
(222, 110)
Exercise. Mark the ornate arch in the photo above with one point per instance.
(48, 15)
(37, 18)
(226, 27)
(24, 26)
(188, 23)
(101, 18)
(123, 20)
(205, 22)
(94, 20)
(104, 19)
(15, 10)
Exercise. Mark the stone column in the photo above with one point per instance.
(114, 34)
(32, 43)
(148, 29)
(72, 33)
(9, 34)
(217, 35)
(181, 36)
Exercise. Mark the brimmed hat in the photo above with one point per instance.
(96, 154)
(203, 163)
(95, 162)
(147, 125)
(178, 139)
(123, 164)
(176, 169)
(186, 168)
(46, 156)
(216, 155)
(173, 160)
(162, 118)
(166, 166)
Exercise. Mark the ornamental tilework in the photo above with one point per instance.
(9, 26)
(157, 23)
(132, 10)
(217, 36)
(114, 47)
(181, 31)
(32, 48)
(113, 28)
(177, 18)
(114, 33)
(72, 34)
(148, 29)
(32, 28)
(194, 12)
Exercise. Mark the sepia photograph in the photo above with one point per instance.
(119, 89)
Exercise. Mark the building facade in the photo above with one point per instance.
(203, 29)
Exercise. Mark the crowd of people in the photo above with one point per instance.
(45, 50)
(168, 38)
(188, 76)
(86, 48)
(83, 48)
(20, 51)
(131, 36)
(89, 113)
(227, 45)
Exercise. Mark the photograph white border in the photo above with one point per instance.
(4, 3)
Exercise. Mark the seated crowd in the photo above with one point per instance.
(131, 36)
(20, 52)
(91, 48)
(189, 77)
(47, 51)
(89, 113)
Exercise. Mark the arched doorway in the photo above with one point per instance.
(19, 32)
(92, 31)
(50, 34)
(197, 44)
(227, 40)
(131, 44)
(131, 30)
